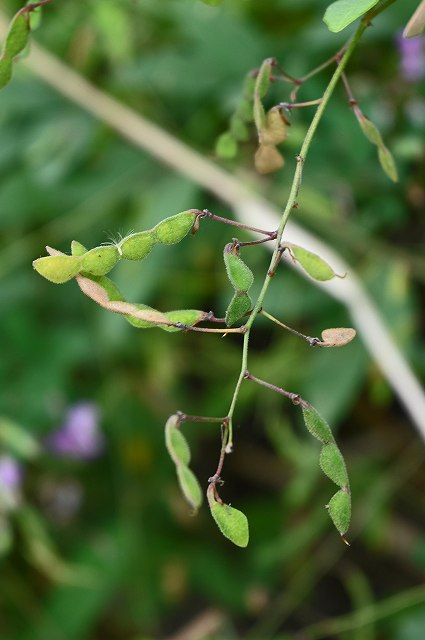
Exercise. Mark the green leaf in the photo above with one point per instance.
(77, 249)
(343, 12)
(17, 36)
(175, 441)
(317, 425)
(137, 245)
(239, 305)
(100, 260)
(339, 508)
(387, 162)
(189, 486)
(226, 146)
(175, 228)
(312, 264)
(58, 269)
(232, 523)
(239, 274)
(333, 465)
(17, 440)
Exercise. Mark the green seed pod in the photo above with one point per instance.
(58, 269)
(77, 249)
(239, 274)
(387, 162)
(189, 317)
(239, 305)
(263, 78)
(312, 264)
(339, 508)
(5, 71)
(17, 36)
(175, 228)
(333, 465)
(226, 146)
(189, 486)
(232, 523)
(100, 260)
(138, 245)
(176, 443)
(238, 128)
(114, 294)
(370, 130)
(317, 425)
(142, 324)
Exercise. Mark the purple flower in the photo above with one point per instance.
(80, 436)
(412, 58)
(11, 476)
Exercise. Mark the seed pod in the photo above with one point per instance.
(232, 523)
(176, 443)
(5, 71)
(317, 425)
(189, 317)
(17, 36)
(226, 146)
(189, 486)
(384, 154)
(114, 294)
(238, 128)
(275, 128)
(239, 274)
(58, 269)
(141, 324)
(239, 305)
(175, 228)
(268, 159)
(100, 260)
(312, 264)
(77, 249)
(339, 508)
(137, 245)
(333, 465)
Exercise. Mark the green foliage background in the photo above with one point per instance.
(65, 175)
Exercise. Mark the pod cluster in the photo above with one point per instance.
(241, 279)
(100, 260)
(333, 465)
(179, 451)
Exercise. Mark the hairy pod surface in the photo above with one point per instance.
(317, 426)
(239, 274)
(239, 305)
(232, 523)
(58, 269)
(78, 249)
(190, 486)
(312, 264)
(17, 36)
(173, 229)
(138, 245)
(333, 465)
(100, 260)
(339, 509)
(176, 443)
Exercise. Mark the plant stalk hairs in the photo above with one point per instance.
(90, 267)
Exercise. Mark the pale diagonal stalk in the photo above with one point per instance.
(296, 183)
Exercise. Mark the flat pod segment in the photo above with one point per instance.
(100, 260)
(137, 245)
(58, 269)
(239, 274)
(232, 523)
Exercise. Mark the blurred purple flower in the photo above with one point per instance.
(11, 476)
(80, 436)
(412, 58)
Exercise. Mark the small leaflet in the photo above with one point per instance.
(312, 264)
(342, 13)
(232, 523)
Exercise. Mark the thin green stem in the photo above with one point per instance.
(312, 341)
(291, 204)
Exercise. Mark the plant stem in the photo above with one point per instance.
(294, 397)
(291, 203)
(211, 216)
(309, 339)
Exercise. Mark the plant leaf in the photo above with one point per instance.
(232, 523)
(343, 12)
(317, 425)
(339, 508)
